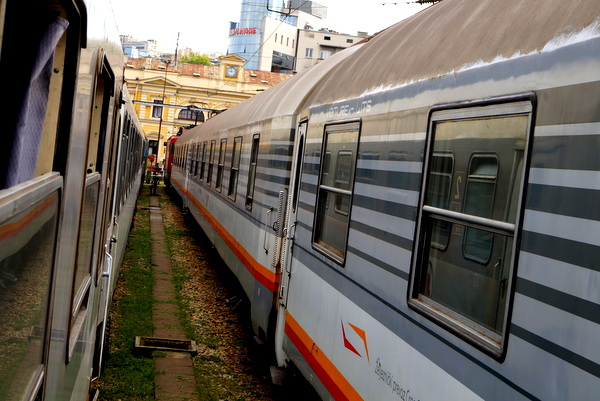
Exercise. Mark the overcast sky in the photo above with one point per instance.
(203, 25)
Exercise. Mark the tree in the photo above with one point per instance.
(196, 58)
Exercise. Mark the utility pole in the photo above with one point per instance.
(163, 100)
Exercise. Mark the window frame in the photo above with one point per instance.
(252, 167)
(211, 162)
(203, 160)
(460, 324)
(193, 160)
(221, 164)
(234, 169)
(324, 192)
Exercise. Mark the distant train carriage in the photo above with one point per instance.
(169, 158)
(71, 164)
(434, 218)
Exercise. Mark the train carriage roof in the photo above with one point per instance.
(283, 99)
(451, 35)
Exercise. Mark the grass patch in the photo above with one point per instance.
(127, 376)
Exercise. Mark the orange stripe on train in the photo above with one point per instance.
(258, 271)
(330, 376)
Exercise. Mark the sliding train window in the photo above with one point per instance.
(192, 158)
(252, 171)
(203, 161)
(234, 171)
(469, 218)
(221, 164)
(335, 190)
(211, 162)
(196, 158)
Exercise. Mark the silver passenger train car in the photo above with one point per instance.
(71, 163)
(416, 218)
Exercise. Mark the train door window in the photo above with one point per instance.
(211, 162)
(298, 166)
(85, 253)
(336, 185)
(203, 161)
(221, 164)
(235, 167)
(252, 171)
(469, 218)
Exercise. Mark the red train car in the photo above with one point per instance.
(170, 144)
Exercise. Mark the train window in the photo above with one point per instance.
(336, 184)
(28, 220)
(188, 158)
(235, 167)
(211, 162)
(221, 164)
(192, 158)
(198, 158)
(343, 172)
(203, 161)
(469, 218)
(252, 171)
(479, 200)
(190, 154)
(33, 115)
(438, 193)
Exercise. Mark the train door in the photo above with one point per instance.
(105, 276)
(98, 195)
(289, 232)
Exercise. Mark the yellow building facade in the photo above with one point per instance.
(168, 97)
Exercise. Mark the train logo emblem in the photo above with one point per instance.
(353, 336)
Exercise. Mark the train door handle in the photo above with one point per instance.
(107, 270)
(265, 233)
